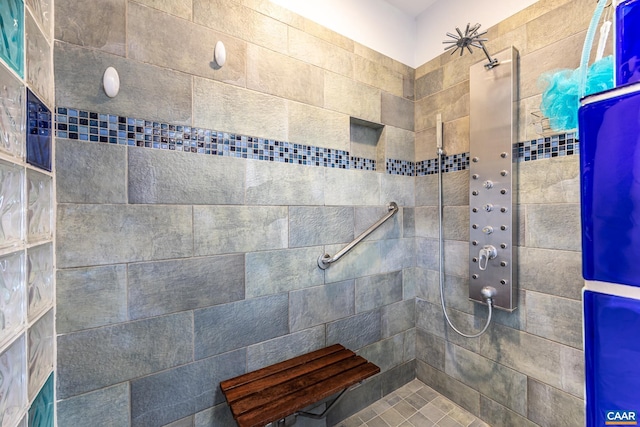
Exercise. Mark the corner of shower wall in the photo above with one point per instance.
(27, 215)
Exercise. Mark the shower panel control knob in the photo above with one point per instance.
(486, 253)
(488, 184)
(487, 230)
(488, 207)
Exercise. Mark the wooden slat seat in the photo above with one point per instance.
(277, 391)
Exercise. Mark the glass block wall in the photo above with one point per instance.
(26, 214)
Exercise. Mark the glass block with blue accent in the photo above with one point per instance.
(41, 411)
(12, 34)
(39, 132)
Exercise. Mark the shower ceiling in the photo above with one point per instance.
(411, 7)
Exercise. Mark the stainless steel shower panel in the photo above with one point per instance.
(492, 126)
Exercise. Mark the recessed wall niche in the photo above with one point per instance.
(367, 140)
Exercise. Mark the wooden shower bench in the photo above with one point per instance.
(279, 392)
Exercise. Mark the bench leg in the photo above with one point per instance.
(329, 407)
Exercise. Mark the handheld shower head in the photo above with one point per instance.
(470, 38)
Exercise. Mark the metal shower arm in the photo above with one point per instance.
(325, 260)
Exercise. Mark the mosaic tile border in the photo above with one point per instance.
(113, 129)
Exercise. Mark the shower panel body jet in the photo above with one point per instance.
(493, 223)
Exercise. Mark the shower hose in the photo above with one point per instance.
(488, 300)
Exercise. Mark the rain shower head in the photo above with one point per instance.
(470, 38)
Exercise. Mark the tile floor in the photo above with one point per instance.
(413, 405)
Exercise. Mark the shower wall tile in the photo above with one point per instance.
(90, 297)
(158, 288)
(272, 272)
(505, 385)
(318, 52)
(376, 291)
(410, 346)
(543, 360)
(457, 140)
(145, 90)
(268, 183)
(12, 119)
(122, 233)
(39, 68)
(387, 353)
(203, 180)
(397, 254)
(363, 260)
(215, 222)
(217, 415)
(39, 131)
(554, 181)
(350, 97)
(320, 225)
(551, 407)
(180, 8)
(352, 188)
(426, 144)
(97, 358)
(553, 226)
(42, 11)
(144, 45)
(454, 390)
(101, 168)
(12, 31)
(236, 20)
(295, 79)
(554, 318)
(184, 422)
(408, 222)
(399, 143)
(220, 106)
(40, 279)
(378, 75)
(317, 126)
(565, 21)
(321, 304)
(430, 349)
(452, 103)
(13, 302)
(356, 331)
(395, 378)
(41, 412)
(398, 317)
(359, 398)
(13, 390)
(286, 347)
(101, 28)
(399, 189)
(239, 324)
(397, 111)
(429, 83)
(153, 398)
(103, 408)
(499, 415)
(563, 278)
(455, 187)
(40, 349)
(12, 204)
(367, 216)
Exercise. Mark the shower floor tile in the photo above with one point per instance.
(413, 405)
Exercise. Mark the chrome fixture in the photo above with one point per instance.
(325, 260)
(471, 37)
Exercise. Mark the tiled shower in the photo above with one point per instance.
(186, 215)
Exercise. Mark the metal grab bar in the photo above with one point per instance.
(325, 260)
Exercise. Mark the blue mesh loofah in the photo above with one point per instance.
(560, 100)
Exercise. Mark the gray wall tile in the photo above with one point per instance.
(310, 125)
(398, 317)
(550, 407)
(397, 254)
(97, 358)
(397, 111)
(103, 408)
(458, 392)
(146, 92)
(430, 349)
(399, 144)
(356, 99)
(101, 168)
(352, 188)
(153, 398)
(321, 304)
(555, 318)
(429, 84)
(184, 422)
(162, 176)
(286, 347)
(181, 8)
(122, 233)
(270, 183)
(375, 291)
(553, 226)
(144, 45)
(363, 260)
(505, 385)
(164, 287)
(228, 229)
(90, 297)
(320, 225)
(455, 187)
(84, 25)
(387, 353)
(272, 272)
(367, 216)
(562, 275)
(498, 415)
(408, 222)
(230, 326)
(554, 180)
(395, 378)
(399, 189)
(410, 344)
(359, 398)
(217, 416)
(356, 331)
